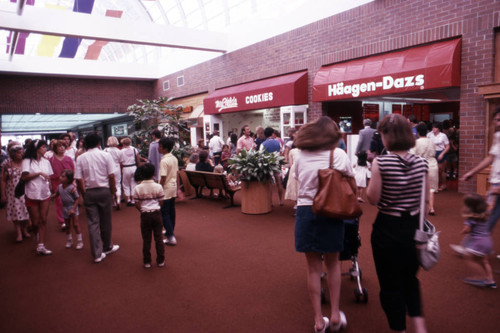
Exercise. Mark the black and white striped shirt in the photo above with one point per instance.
(401, 182)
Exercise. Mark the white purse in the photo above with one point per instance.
(426, 237)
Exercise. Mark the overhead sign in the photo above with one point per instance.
(425, 67)
(290, 89)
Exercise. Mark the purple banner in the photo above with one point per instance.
(71, 44)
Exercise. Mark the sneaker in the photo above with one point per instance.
(459, 249)
(172, 241)
(147, 265)
(498, 257)
(474, 282)
(42, 250)
(69, 243)
(113, 249)
(63, 226)
(161, 264)
(165, 241)
(98, 260)
(492, 285)
(79, 245)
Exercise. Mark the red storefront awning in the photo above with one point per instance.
(419, 68)
(290, 89)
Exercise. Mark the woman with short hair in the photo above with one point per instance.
(320, 238)
(129, 165)
(116, 154)
(11, 174)
(442, 144)
(396, 187)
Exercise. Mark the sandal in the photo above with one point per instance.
(325, 326)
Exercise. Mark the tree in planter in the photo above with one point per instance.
(256, 168)
(158, 114)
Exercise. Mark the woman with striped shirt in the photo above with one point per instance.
(395, 187)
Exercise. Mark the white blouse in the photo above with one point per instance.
(307, 165)
(440, 140)
(37, 188)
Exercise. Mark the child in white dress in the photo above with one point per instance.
(362, 173)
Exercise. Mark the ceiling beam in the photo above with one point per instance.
(70, 24)
(65, 67)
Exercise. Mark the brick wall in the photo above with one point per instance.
(377, 27)
(31, 94)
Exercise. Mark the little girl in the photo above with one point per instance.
(477, 242)
(362, 174)
(69, 198)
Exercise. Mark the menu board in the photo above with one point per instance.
(371, 112)
(407, 110)
(396, 108)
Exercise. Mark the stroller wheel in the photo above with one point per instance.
(361, 295)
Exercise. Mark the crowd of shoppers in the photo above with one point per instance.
(404, 154)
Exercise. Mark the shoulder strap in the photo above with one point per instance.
(422, 203)
(332, 152)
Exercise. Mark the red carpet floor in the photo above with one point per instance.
(230, 272)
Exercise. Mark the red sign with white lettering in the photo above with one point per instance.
(420, 68)
(290, 89)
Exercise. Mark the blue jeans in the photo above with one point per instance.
(168, 216)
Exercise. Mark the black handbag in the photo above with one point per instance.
(19, 189)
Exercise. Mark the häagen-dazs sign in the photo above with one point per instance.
(387, 82)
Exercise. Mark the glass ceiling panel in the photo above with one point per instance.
(44, 123)
(243, 21)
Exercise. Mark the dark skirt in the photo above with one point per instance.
(318, 234)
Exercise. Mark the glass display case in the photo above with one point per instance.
(292, 116)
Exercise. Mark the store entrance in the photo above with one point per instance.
(350, 115)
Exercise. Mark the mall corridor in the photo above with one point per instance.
(230, 272)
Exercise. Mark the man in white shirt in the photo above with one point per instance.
(96, 183)
(215, 146)
(493, 159)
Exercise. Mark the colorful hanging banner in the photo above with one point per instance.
(95, 49)
(48, 45)
(71, 44)
(21, 40)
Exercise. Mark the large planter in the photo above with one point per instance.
(255, 197)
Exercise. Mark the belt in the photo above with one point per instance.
(151, 211)
(128, 165)
(401, 214)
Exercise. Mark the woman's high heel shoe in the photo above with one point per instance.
(341, 324)
(325, 326)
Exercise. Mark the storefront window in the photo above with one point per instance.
(292, 116)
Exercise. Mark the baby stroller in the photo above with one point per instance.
(352, 242)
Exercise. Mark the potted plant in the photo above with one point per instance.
(255, 169)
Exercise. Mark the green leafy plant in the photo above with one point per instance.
(159, 114)
(256, 165)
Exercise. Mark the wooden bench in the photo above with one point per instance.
(212, 181)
